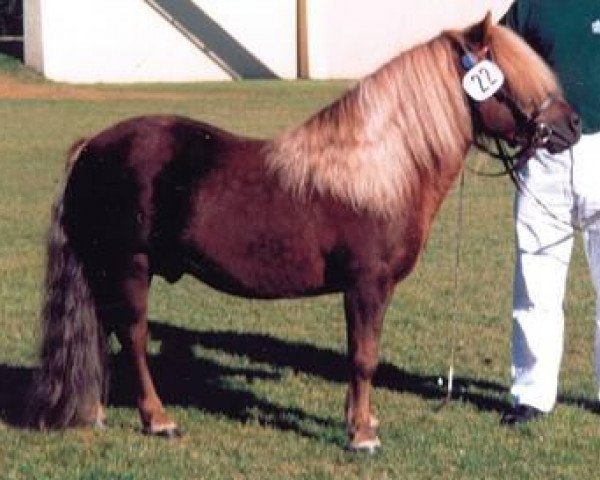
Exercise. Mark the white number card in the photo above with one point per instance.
(483, 80)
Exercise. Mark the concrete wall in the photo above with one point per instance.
(351, 38)
(32, 33)
(128, 41)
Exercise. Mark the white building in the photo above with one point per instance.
(188, 40)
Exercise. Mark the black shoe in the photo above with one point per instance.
(520, 414)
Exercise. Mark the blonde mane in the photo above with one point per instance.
(397, 126)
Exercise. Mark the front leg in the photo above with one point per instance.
(365, 306)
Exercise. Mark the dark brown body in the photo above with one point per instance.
(199, 200)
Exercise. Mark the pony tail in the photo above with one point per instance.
(71, 383)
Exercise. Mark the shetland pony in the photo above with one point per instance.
(340, 204)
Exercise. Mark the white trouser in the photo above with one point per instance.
(560, 192)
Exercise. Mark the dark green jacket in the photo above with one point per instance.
(567, 35)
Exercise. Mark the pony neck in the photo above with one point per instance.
(371, 147)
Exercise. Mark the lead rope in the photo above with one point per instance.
(458, 238)
(459, 225)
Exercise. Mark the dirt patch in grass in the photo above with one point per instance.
(11, 88)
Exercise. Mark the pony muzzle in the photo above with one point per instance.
(560, 135)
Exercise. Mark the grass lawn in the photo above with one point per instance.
(260, 393)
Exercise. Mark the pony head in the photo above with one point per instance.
(513, 94)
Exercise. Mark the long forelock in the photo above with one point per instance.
(528, 78)
(371, 147)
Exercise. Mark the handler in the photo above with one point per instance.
(560, 193)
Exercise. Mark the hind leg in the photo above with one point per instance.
(128, 314)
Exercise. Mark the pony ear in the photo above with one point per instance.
(475, 38)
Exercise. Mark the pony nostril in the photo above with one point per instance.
(575, 122)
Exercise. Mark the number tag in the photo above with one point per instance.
(483, 80)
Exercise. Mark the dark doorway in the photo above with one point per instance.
(11, 28)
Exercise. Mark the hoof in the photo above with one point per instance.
(169, 432)
(99, 424)
(367, 446)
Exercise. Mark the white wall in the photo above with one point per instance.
(350, 38)
(127, 41)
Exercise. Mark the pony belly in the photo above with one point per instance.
(247, 276)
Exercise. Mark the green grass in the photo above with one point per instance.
(13, 67)
(260, 392)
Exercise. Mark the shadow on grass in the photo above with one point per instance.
(325, 363)
(592, 406)
(14, 384)
(184, 379)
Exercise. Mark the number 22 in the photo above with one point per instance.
(485, 79)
